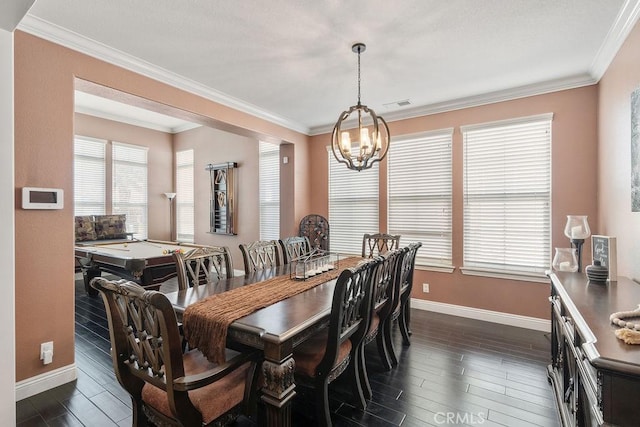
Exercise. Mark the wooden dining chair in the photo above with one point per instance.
(406, 285)
(260, 254)
(167, 386)
(203, 265)
(384, 291)
(332, 352)
(294, 247)
(379, 243)
(401, 309)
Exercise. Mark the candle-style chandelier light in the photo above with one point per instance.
(360, 147)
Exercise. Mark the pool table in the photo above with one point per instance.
(146, 262)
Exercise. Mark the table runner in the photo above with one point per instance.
(205, 322)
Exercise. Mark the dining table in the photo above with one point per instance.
(275, 329)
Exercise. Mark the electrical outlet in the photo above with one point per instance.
(46, 352)
(425, 288)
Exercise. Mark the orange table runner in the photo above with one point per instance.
(206, 322)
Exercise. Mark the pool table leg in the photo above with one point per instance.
(87, 275)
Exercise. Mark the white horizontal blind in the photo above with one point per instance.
(185, 231)
(507, 195)
(89, 176)
(129, 186)
(353, 206)
(269, 171)
(420, 194)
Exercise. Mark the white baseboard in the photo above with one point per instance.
(534, 323)
(43, 382)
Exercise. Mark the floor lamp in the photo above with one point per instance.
(170, 197)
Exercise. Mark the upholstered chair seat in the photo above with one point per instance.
(310, 353)
(230, 390)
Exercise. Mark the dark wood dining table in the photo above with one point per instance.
(275, 330)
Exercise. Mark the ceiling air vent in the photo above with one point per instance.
(395, 104)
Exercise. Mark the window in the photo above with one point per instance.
(184, 197)
(507, 196)
(89, 177)
(353, 206)
(269, 165)
(129, 186)
(420, 194)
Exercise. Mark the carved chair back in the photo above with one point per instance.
(294, 247)
(260, 254)
(203, 265)
(378, 244)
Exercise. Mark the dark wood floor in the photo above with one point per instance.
(456, 372)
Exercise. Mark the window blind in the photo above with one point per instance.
(129, 186)
(420, 194)
(353, 206)
(507, 195)
(269, 165)
(185, 231)
(89, 176)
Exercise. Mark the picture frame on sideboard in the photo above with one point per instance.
(603, 249)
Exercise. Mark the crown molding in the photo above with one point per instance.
(478, 100)
(625, 21)
(69, 39)
(134, 122)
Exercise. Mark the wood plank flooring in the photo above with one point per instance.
(457, 371)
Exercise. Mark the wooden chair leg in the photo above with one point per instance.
(403, 323)
(387, 330)
(322, 402)
(354, 371)
(362, 372)
(382, 349)
(139, 417)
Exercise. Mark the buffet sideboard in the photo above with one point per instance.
(594, 375)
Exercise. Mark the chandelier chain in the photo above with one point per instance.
(358, 76)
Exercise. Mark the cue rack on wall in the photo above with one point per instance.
(222, 214)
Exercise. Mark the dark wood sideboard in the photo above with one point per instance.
(594, 375)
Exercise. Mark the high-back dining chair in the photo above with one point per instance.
(401, 310)
(294, 247)
(260, 254)
(167, 386)
(384, 291)
(406, 285)
(328, 354)
(378, 244)
(203, 265)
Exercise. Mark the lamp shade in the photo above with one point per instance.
(577, 227)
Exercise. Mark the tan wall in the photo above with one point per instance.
(614, 156)
(45, 74)
(159, 164)
(573, 192)
(215, 146)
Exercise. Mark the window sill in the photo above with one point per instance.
(436, 268)
(514, 275)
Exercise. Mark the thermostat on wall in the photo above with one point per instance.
(42, 198)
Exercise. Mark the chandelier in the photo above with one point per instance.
(360, 147)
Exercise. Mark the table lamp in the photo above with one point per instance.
(577, 229)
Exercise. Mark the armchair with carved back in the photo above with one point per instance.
(167, 386)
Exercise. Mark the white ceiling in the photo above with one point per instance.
(291, 62)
